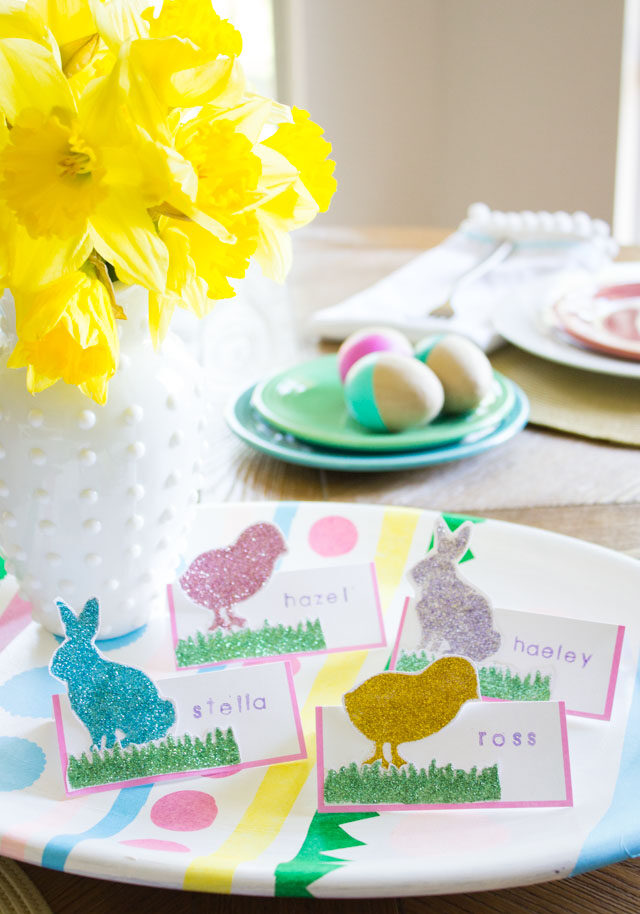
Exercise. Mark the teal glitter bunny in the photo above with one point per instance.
(107, 697)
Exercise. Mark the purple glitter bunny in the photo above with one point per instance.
(449, 608)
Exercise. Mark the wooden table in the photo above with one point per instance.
(541, 478)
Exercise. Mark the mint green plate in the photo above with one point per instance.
(307, 401)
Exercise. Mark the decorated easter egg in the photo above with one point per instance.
(387, 392)
(371, 339)
(462, 367)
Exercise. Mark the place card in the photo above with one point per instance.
(304, 611)
(421, 741)
(538, 658)
(132, 730)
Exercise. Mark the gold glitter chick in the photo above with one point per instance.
(399, 708)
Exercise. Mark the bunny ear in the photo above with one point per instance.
(89, 618)
(67, 616)
(462, 537)
(443, 537)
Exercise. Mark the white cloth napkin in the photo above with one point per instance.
(546, 245)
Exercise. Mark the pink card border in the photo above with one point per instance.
(400, 807)
(282, 657)
(151, 779)
(613, 676)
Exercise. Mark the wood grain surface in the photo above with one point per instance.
(545, 479)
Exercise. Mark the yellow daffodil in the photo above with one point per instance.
(302, 143)
(52, 178)
(60, 183)
(30, 71)
(76, 24)
(66, 331)
(198, 21)
(297, 183)
(185, 288)
(228, 173)
(130, 142)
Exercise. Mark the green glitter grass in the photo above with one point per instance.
(371, 785)
(494, 683)
(268, 641)
(184, 754)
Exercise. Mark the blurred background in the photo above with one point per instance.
(433, 104)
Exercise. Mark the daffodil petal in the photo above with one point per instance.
(39, 310)
(303, 144)
(199, 21)
(119, 20)
(18, 20)
(182, 74)
(75, 339)
(112, 104)
(30, 78)
(38, 261)
(220, 79)
(161, 308)
(67, 19)
(274, 250)
(123, 233)
(249, 117)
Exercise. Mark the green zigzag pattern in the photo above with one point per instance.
(325, 833)
(312, 860)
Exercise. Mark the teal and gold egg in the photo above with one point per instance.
(387, 392)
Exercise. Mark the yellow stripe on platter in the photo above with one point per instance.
(281, 785)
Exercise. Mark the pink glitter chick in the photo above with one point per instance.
(220, 578)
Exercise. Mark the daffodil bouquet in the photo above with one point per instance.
(132, 150)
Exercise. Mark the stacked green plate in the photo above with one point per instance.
(300, 416)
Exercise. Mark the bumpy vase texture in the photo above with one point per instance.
(95, 500)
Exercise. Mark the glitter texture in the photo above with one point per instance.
(449, 608)
(167, 757)
(107, 697)
(495, 682)
(399, 708)
(371, 785)
(268, 641)
(220, 578)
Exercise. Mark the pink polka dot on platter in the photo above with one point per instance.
(333, 535)
(152, 844)
(184, 810)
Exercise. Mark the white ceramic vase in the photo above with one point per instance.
(96, 500)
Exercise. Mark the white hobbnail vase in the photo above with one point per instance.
(96, 500)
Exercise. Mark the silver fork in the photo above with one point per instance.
(496, 256)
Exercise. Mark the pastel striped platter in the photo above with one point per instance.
(258, 831)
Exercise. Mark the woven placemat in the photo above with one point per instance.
(18, 894)
(581, 402)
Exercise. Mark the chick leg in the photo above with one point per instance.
(377, 757)
(235, 620)
(218, 621)
(396, 759)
